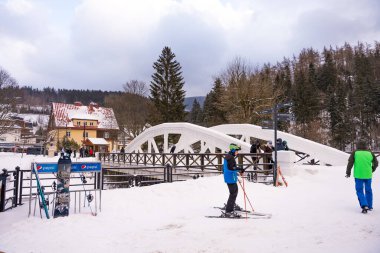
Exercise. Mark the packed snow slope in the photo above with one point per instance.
(318, 212)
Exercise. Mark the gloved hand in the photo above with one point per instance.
(242, 170)
(347, 176)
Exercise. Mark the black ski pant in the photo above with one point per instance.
(233, 189)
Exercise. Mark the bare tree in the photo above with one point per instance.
(248, 91)
(136, 87)
(131, 111)
(8, 98)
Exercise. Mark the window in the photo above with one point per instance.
(68, 133)
(85, 134)
(78, 123)
(106, 134)
(91, 123)
(85, 123)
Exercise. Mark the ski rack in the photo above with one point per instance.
(93, 168)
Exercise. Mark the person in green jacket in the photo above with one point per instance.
(365, 163)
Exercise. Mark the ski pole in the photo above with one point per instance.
(89, 196)
(245, 202)
(245, 194)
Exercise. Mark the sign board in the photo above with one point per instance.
(285, 116)
(75, 167)
(47, 167)
(267, 124)
(86, 167)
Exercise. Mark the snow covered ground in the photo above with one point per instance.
(318, 212)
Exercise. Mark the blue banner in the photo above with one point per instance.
(47, 167)
(86, 167)
(75, 167)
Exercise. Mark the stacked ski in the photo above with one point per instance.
(41, 193)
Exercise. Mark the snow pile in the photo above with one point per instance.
(318, 212)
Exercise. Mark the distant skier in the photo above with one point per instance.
(365, 163)
(172, 149)
(230, 177)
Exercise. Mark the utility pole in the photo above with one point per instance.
(276, 117)
(275, 144)
(84, 132)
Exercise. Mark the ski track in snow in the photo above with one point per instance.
(318, 212)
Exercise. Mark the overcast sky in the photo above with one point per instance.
(101, 44)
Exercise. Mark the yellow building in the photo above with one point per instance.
(91, 126)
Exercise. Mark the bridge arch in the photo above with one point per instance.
(193, 139)
(323, 153)
(188, 135)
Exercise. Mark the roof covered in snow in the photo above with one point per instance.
(98, 141)
(64, 114)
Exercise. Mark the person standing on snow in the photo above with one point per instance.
(255, 149)
(268, 159)
(230, 178)
(365, 163)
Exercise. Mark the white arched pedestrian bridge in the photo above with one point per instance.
(196, 139)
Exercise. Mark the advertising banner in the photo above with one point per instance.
(75, 167)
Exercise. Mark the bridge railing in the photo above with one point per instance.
(259, 167)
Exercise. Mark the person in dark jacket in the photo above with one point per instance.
(230, 170)
(365, 163)
(279, 144)
(268, 159)
(255, 149)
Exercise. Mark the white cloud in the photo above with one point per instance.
(102, 44)
(18, 7)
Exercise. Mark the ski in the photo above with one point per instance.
(246, 211)
(238, 218)
(40, 192)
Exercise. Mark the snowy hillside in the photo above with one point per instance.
(38, 120)
(318, 212)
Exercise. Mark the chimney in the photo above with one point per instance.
(78, 103)
(93, 104)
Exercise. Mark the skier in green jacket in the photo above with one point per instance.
(365, 163)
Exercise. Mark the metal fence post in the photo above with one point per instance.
(170, 173)
(21, 180)
(16, 183)
(166, 173)
(3, 186)
(102, 179)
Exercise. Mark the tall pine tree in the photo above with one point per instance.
(166, 89)
(196, 113)
(213, 112)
